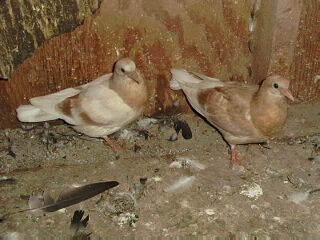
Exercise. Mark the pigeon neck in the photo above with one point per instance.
(132, 93)
(268, 111)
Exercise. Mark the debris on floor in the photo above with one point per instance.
(251, 190)
(166, 188)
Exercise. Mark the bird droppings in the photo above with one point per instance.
(125, 134)
(253, 206)
(54, 157)
(62, 210)
(238, 168)
(145, 123)
(277, 219)
(156, 179)
(186, 162)
(251, 190)
(127, 219)
(210, 211)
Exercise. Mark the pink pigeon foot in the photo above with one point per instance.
(115, 146)
(235, 159)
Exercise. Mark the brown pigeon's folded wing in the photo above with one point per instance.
(228, 109)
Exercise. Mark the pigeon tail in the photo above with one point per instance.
(43, 108)
(182, 79)
(29, 113)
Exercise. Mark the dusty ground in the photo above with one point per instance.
(218, 203)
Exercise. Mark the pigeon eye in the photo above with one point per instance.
(122, 70)
(275, 85)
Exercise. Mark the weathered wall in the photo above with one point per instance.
(206, 36)
(260, 43)
(305, 67)
(26, 24)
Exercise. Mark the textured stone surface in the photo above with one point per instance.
(25, 25)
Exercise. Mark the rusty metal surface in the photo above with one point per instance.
(206, 36)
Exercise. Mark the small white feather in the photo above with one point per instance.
(11, 236)
(35, 202)
(175, 164)
(181, 184)
(298, 197)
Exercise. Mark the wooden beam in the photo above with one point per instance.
(276, 30)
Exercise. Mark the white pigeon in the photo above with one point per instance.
(96, 109)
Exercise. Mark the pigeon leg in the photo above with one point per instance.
(235, 159)
(115, 147)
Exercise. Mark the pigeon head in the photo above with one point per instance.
(277, 86)
(125, 67)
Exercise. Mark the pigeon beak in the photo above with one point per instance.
(287, 93)
(135, 76)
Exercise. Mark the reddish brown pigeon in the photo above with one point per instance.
(242, 113)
